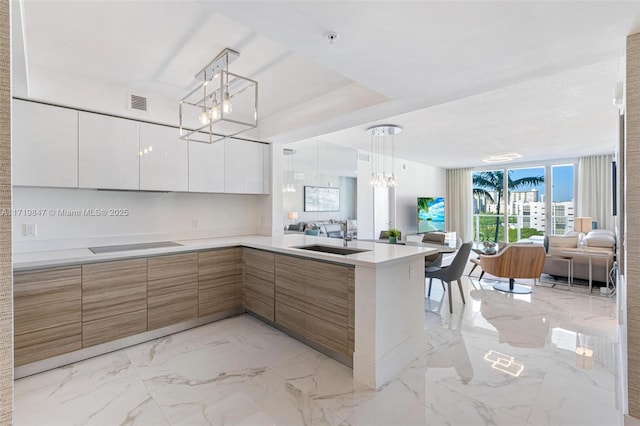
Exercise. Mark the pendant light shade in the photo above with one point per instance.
(223, 104)
(383, 146)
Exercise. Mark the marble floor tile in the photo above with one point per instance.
(101, 397)
(548, 358)
(328, 383)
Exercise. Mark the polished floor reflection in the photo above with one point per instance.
(548, 358)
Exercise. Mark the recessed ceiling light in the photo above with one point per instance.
(501, 158)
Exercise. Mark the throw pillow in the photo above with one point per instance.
(569, 241)
(599, 240)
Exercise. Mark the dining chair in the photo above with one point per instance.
(452, 272)
(384, 235)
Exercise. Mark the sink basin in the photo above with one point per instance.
(332, 249)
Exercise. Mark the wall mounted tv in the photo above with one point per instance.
(430, 214)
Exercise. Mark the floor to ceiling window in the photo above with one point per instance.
(526, 209)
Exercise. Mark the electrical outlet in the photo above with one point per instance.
(412, 271)
(30, 230)
(194, 223)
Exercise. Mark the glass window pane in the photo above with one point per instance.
(526, 203)
(562, 201)
(488, 206)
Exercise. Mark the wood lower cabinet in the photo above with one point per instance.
(172, 289)
(114, 300)
(60, 310)
(219, 280)
(47, 313)
(258, 282)
(315, 299)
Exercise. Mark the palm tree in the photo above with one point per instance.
(486, 182)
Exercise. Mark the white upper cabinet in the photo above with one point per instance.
(163, 162)
(266, 172)
(44, 145)
(62, 147)
(206, 167)
(244, 167)
(108, 152)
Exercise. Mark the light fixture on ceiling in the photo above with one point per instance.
(383, 147)
(145, 151)
(501, 158)
(223, 104)
(289, 187)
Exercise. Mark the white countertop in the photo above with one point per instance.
(377, 254)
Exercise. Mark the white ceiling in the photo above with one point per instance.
(465, 79)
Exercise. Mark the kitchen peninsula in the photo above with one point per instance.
(365, 309)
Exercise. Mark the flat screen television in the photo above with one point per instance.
(430, 214)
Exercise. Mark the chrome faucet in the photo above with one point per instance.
(346, 238)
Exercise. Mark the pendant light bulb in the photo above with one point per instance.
(214, 111)
(204, 117)
(226, 104)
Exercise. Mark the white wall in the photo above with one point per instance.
(80, 92)
(414, 180)
(152, 216)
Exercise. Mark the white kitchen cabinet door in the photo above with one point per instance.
(243, 166)
(206, 167)
(108, 152)
(266, 165)
(44, 145)
(163, 167)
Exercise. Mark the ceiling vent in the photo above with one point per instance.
(138, 102)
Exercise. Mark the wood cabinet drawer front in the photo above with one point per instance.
(111, 291)
(113, 327)
(290, 317)
(256, 302)
(221, 281)
(47, 343)
(323, 271)
(172, 266)
(328, 316)
(98, 310)
(113, 288)
(171, 284)
(327, 296)
(172, 308)
(47, 299)
(326, 333)
(216, 299)
(259, 284)
(286, 287)
(257, 259)
(293, 302)
(289, 277)
(114, 273)
(218, 263)
(288, 265)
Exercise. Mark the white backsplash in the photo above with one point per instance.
(138, 217)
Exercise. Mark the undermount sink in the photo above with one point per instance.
(332, 249)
